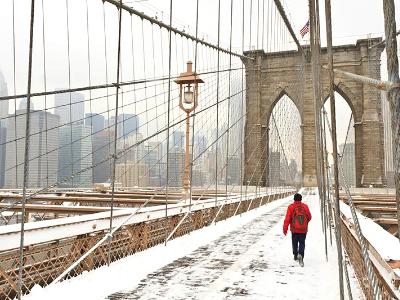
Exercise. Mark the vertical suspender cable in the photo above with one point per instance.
(107, 92)
(115, 131)
(70, 96)
(375, 291)
(168, 116)
(334, 145)
(90, 81)
(258, 21)
(242, 109)
(229, 103)
(15, 101)
(217, 120)
(163, 88)
(263, 24)
(321, 164)
(394, 94)
(250, 19)
(194, 112)
(45, 99)
(154, 76)
(26, 157)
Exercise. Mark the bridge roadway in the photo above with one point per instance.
(251, 259)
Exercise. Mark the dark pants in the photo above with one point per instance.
(298, 243)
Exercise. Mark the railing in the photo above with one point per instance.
(52, 246)
(382, 270)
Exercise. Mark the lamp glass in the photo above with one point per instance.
(188, 95)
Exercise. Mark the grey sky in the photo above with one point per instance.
(352, 19)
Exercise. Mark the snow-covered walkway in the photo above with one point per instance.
(244, 257)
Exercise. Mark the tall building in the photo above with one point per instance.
(132, 174)
(131, 124)
(96, 121)
(43, 149)
(348, 164)
(75, 157)
(236, 123)
(152, 159)
(3, 103)
(101, 150)
(128, 124)
(3, 144)
(199, 177)
(274, 172)
(132, 148)
(70, 107)
(3, 127)
(176, 166)
(200, 145)
(233, 170)
(24, 104)
(178, 141)
(293, 171)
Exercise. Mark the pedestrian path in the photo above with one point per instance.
(253, 261)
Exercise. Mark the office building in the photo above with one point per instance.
(75, 159)
(43, 149)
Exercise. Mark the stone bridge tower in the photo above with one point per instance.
(269, 76)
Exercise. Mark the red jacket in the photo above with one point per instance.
(289, 214)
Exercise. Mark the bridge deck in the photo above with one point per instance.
(246, 256)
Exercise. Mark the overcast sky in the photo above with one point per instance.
(352, 19)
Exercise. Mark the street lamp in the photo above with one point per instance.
(188, 96)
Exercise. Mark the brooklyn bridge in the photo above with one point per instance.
(150, 149)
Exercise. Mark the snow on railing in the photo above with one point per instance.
(52, 247)
(49, 230)
(383, 248)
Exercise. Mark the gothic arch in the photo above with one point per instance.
(348, 95)
(279, 72)
(277, 96)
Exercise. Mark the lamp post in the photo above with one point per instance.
(188, 101)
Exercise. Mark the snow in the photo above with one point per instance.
(49, 230)
(384, 243)
(245, 256)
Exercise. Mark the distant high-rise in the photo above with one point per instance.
(3, 141)
(3, 128)
(131, 148)
(101, 150)
(75, 157)
(274, 173)
(70, 107)
(132, 174)
(199, 177)
(236, 123)
(200, 145)
(293, 170)
(96, 121)
(178, 140)
(3, 103)
(152, 158)
(348, 164)
(24, 104)
(128, 124)
(233, 170)
(43, 149)
(176, 165)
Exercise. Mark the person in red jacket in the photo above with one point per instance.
(298, 216)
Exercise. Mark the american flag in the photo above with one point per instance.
(305, 29)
